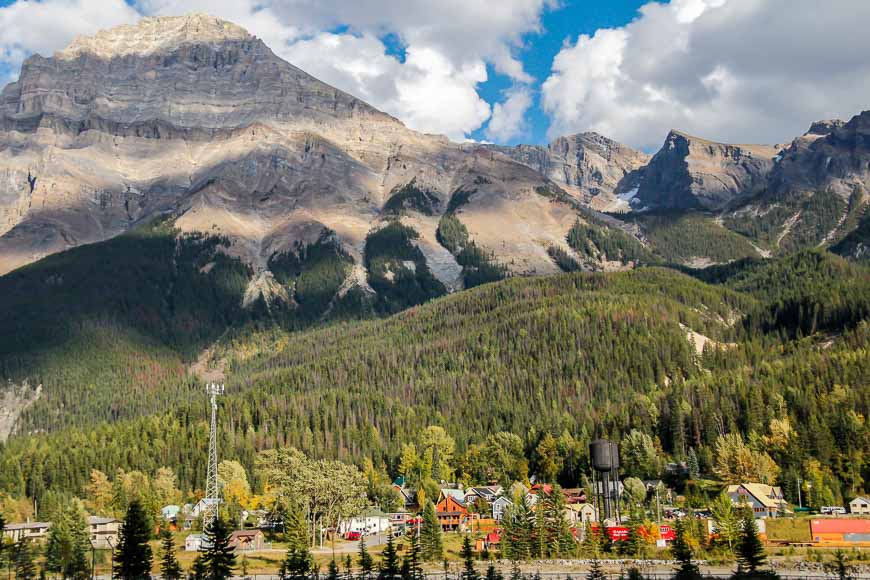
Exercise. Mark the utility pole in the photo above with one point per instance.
(211, 501)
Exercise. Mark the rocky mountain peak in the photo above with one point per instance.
(825, 127)
(154, 35)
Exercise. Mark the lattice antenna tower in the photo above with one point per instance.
(211, 502)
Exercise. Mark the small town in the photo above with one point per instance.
(614, 526)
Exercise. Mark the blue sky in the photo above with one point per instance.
(526, 71)
(574, 18)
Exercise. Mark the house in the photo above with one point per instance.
(196, 543)
(766, 501)
(487, 542)
(104, 532)
(27, 531)
(408, 495)
(860, 505)
(170, 513)
(202, 505)
(369, 522)
(578, 514)
(247, 540)
(486, 493)
(451, 513)
(499, 506)
(574, 495)
(449, 491)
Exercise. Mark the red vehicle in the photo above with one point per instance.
(667, 533)
(352, 536)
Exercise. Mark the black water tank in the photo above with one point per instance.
(599, 451)
(614, 455)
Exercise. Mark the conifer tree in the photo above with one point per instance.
(170, 569)
(389, 569)
(348, 565)
(25, 569)
(686, 568)
(2, 538)
(411, 568)
(431, 543)
(839, 567)
(66, 551)
(634, 574)
(219, 557)
(633, 544)
(333, 572)
(199, 569)
(133, 554)
(750, 550)
(366, 564)
(595, 571)
(467, 555)
(559, 540)
(492, 573)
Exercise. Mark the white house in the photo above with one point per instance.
(860, 505)
(499, 506)
(27, 531)
(196, 543)
(371, 521)
(766, 501)
(578, 514)
(104, 531)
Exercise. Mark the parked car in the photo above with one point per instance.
(352, 536)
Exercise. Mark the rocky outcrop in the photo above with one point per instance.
(597, 170)
(693, 173)
(832, 156)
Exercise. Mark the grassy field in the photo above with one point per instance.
(789, 530)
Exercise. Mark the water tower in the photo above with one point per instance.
(605, 464)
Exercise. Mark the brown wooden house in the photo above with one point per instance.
(451, 513)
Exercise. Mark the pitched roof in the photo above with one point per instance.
(97, 520)
(27, 526)
(862, 498)
(767, 495)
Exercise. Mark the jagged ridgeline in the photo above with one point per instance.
(576, 353)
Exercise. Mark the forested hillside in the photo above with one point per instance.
(560, 359)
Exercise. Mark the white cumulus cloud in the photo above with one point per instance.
(731, 70)
(49, 25)
(509, 117)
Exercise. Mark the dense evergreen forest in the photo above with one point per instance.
(518, 365)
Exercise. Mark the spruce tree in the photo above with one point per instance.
(199, 569)
(348, 565)
(66, 550)
(492, 573)
(560, 542)
(595, 571)
(366, 564)
(333, 572)
(431, 543)
(133, 554)
(634, 574)
(750, 550)
(411, 568)
(686, 568)
(389, 569)
(633, 544)
(219, 558)
(840, 566)
(298, 563)
(467, 555)
(170, 569)
(25, 569)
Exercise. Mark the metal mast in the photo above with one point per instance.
(212, 499)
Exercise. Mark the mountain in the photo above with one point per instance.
(194, 119)
(598, 171)
(693, 173)
(816, 194)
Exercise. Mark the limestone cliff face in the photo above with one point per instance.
(832, 156)
(693, 173)
(193, 118)
(597, 170)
